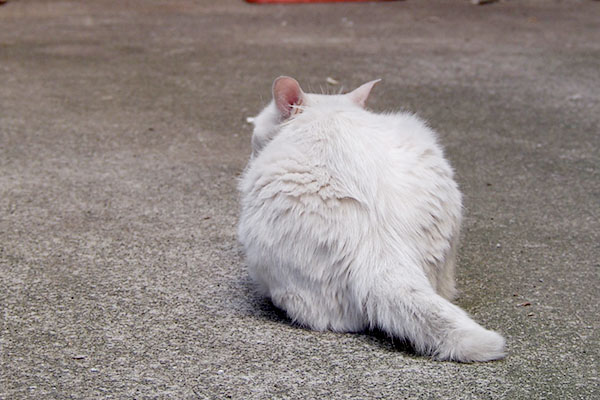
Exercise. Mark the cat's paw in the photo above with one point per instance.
(472, 344)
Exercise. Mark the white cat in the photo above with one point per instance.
(350, 221)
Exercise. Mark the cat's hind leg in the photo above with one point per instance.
(318, 312)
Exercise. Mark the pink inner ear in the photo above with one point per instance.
(360, 94)
(286, 93)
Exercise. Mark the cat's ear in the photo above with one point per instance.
(287, 94)
(360, 94)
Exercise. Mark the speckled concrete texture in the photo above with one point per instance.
(123, 133)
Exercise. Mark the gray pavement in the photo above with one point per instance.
(123, 133)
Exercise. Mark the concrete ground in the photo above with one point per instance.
(123, 132)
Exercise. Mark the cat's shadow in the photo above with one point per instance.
(266, 310)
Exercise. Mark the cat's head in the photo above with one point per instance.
(289, 100)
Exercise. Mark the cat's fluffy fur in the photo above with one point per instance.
(350, 221)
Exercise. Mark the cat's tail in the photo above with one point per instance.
(432, 324)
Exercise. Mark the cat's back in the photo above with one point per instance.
(351, 151)
(358, 144)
